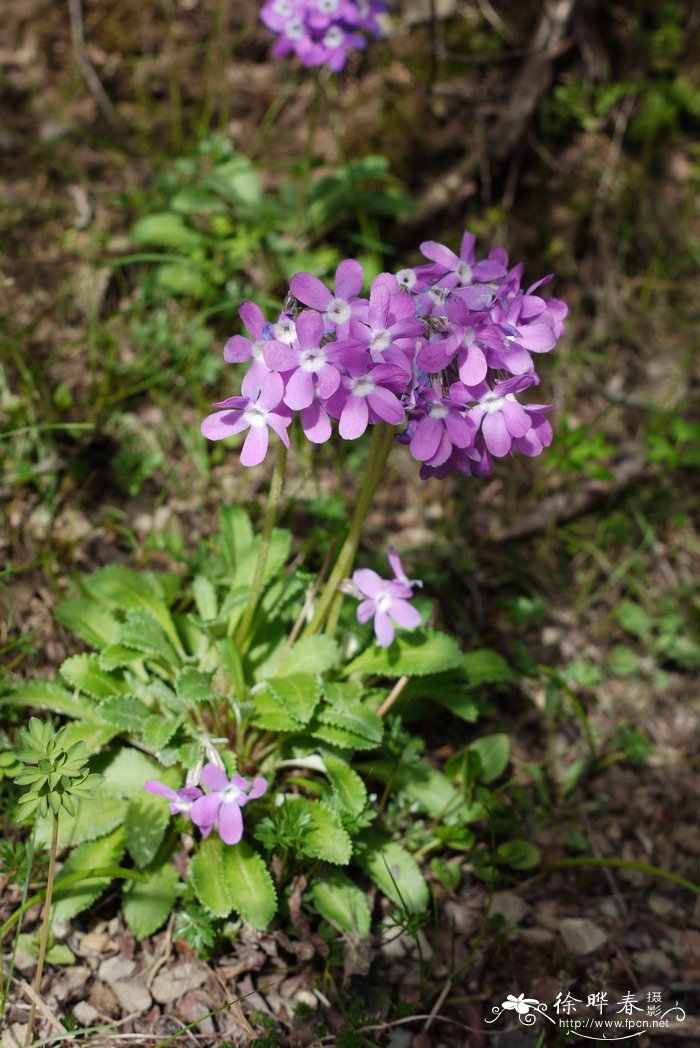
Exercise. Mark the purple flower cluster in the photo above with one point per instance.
(444, 349)
(220, 808)
(321, 32)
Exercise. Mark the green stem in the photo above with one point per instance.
(382, 441)
(45, 925)
(23, 905)
(257, 582)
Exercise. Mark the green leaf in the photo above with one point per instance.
(146, 821)
(96, 816)
(326, 839)
(127, 771)
(237, 544)
(209, 877)
(157, 731)
(47, 695)
(347, 784)
(269, 714)
(88, 620)
(494, 754)
(136, 592)
(344, 740)
(193, 686)
(165, 229)
(115, 656)
(83, 672)
(519, 854)
(357, 719)
(486, 667)
(72, 900)
(250, 883)
(204, 597)
(428, 787)
(95, 736)
(147, 906)
(343, 694)
(396, 873)
(341, 902)
(634, 619)
(413, 654)
(125, 712)
(141, 632)
(298, 694)
(310, 655)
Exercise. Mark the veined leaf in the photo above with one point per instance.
(193, 686)
(158, 730)
(204, 597)
(342, 694)
(96, 816)
(88, 620)
(297, 693)
(357, 719)
(147, 906)
(107, 851)
(484, 666)
(125, 712)
(341, 902)
(250, 883)
(146, 821)
(94, 735)
(115, 656)
(494, 754)
(428, 787)
(347, 784)
(84, 672)
(396, 873)
(209, 878)
(271, 715)
(344, 740)
(48, 695)
(237, 542)
(326, 839)
(141, 632)
(309, 655)
(130, 590)
(128, 770)
(413, 654)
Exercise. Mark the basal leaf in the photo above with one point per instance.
(428, 787)
(494, 754)
(486, 667)
(48, 695)
(165, 229)
(94, 735)
(72, 900)
(157, 731)
(413, 654)
(88, 620)
(136, 592)
(84, 672)
(96, 817)
(297, 693)
(128, 770)
(341, 902)
(146, 821)
(141, 632)
(193, 686)
(147, 906)
(115, 656)
(125, 712)
(237, 543)
(250, 884)
(343, 693)
(347, 784)
(396, 873)
(209, 878)
(326, 839)
(357, 719)
(344, 740)
(310, 655)
(204, 597)
(270, 714)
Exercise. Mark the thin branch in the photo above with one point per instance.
(85, 66)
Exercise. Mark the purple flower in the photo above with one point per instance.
(222, 806)
(386, 601)
(441, 427)
(391, 324)
(257, 415)
(181, 800)
(500, 417)
(399, 573)
(368, 397)
(239, 349)
(338, 308)
(460, 270)
(307, 363)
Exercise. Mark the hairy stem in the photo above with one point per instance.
(382, 441)
(257, 582)
(45, 925)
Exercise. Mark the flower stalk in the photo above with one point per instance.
(45, 925)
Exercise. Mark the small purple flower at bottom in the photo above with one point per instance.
(180, 801)
(222, 807)
(387, 602)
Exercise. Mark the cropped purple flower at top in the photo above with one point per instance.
(441, 352)
(321, 32)
(222, 806)
(385, 600)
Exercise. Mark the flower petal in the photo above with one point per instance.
(255, 446)
(310, 290)
(214, 777)
(348, 279)
(383, 629)
(230, 823)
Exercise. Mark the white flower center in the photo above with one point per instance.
(361, 386)
(363, 8)
(294, 29)
(438, 410)
(255, 416)
(327, 7)
(383, 602)
(406, 278)
(283, 8)
(380, 340)
(469, 338)
(439, 294)
(312, 360)
(230, 793)
(256, 350)
(334, 38)
(285, 331)
(492, 403)
(464, 272)
(183, 806)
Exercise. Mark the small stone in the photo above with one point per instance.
(15, 1036)
(85, 1013)
(510, 907)
(170, 985)
(582, 936)
(537, 936)
(115, 968)
(655, 962)
(132, 995)
(96, 942)
(102, 998)
(196, 1007)
(660, 905)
